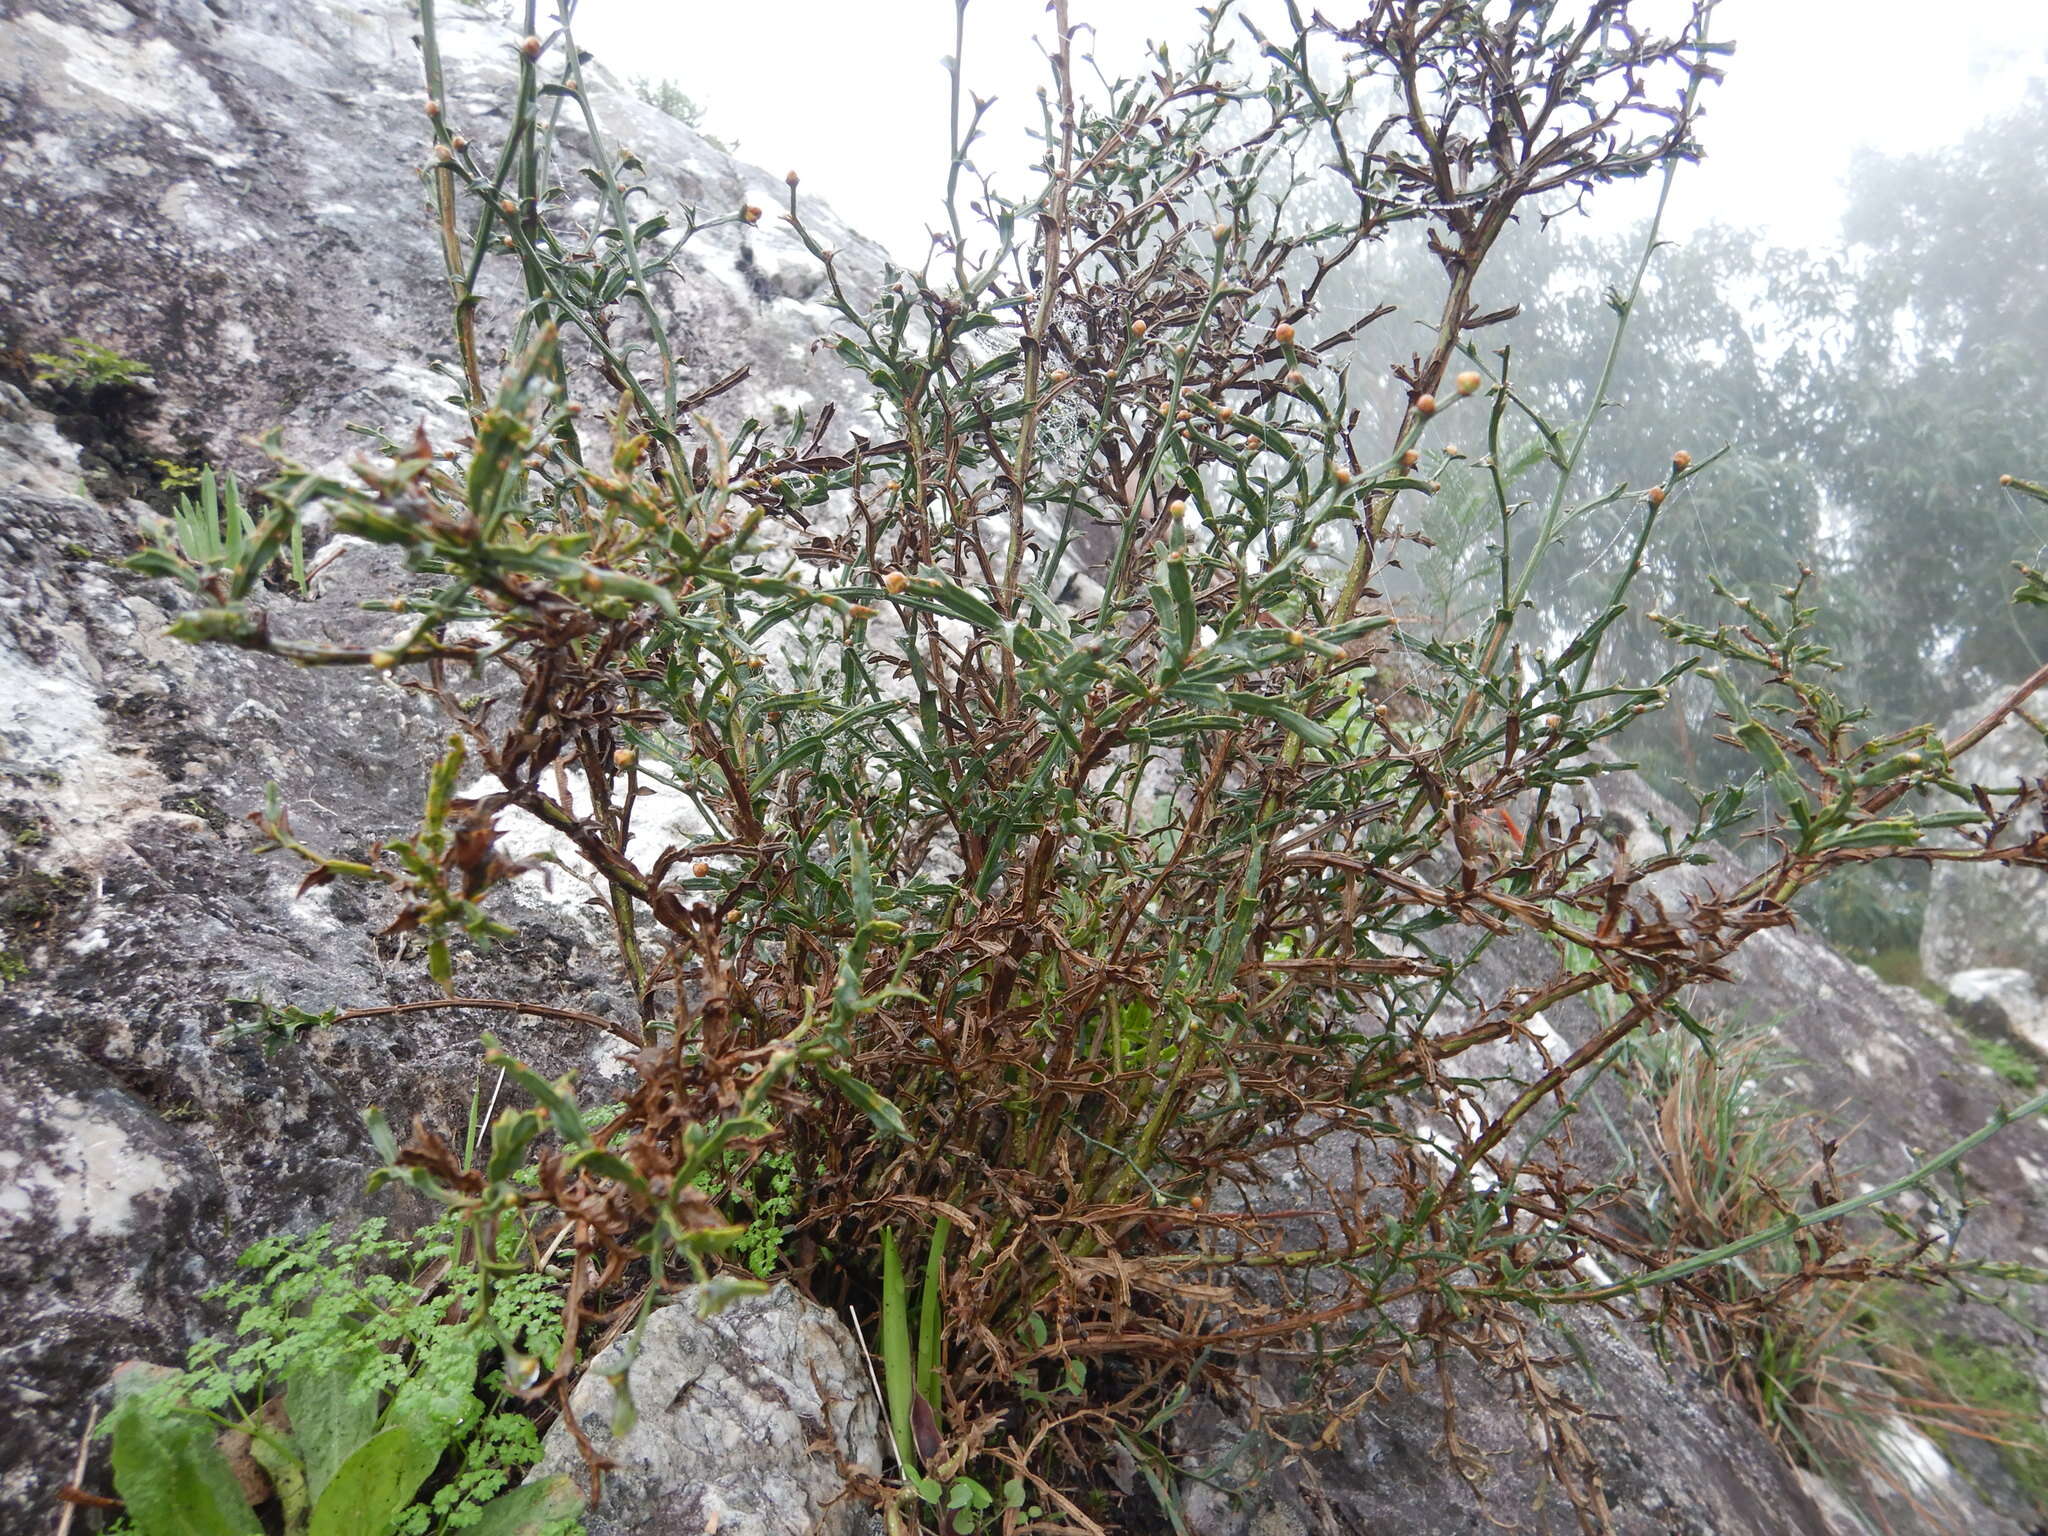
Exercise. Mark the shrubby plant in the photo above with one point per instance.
(1080, 839)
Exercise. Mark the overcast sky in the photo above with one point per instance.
(853, 93)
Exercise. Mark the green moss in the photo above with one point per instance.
(1899, 966)
(2008, 1061)
(1983, 1377)
(12, 967)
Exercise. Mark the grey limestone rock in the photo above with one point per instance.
(2001, 1002)
(747, 1424)
(230, 193)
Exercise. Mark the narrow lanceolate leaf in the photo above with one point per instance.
(557, 1098)
(887, 1118)
(1313, 732)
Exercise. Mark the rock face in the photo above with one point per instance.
(748, 1422)
(1675, 1456)
(229, 193)
(2001, 1003)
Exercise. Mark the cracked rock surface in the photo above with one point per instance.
(746, 1422)
(229, 192)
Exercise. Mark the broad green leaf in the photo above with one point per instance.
(371, 1489)
(528, 1509)
(333, 1414)
(170, 1474)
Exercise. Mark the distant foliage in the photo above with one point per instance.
(664, 95)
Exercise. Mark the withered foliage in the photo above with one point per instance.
(1020, 809)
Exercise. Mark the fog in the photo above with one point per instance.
(1846, 309)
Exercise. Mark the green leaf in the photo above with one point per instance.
(1310, 731)
(720, 1292)
(529, 1509)
(371, 1489)
(887, 1118)
(928, 1313)
(511, 1134)
(897, 1369)
(958, 601)
(276, 1455)
(170, 1473)
(1874, 834)
(807, 747)
(557, 1098)
(333, 1414)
